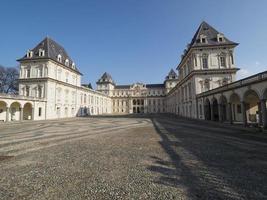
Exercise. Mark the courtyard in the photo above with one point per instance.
(131, 157)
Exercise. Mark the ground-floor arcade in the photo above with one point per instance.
(241, 102)
(16, 108)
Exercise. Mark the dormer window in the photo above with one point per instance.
(41, 52)
(29, 54)
(220, 37)
(67, 62)
(59, 58)
(203, 39)
(73, 65)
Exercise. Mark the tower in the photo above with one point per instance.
(208, 62)
(105, 84)
(170, 81)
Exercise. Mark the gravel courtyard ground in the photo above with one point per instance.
(153, 157)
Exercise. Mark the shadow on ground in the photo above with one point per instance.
(210, 162)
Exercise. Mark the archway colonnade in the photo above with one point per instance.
(15, 110)
(245, 106)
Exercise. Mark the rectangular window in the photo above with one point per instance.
(205, 62)
(40, 111)
(28, 73)
(223, 61)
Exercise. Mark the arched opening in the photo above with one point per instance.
(264, 96)
(223, 108)
(27, 111)
(236, 108)
(15, 111)
(3, 110)
(264, 109)
(207, 110)
(215, 110)
(252, 103)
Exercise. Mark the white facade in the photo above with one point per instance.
(50, 87)
(53, 90)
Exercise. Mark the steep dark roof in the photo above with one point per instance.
(122, 86)
(172, 75)
(88, 86)
(105, 78)
(211, 36)
(155, 85)
(51, 49)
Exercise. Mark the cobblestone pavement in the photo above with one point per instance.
(153, 157)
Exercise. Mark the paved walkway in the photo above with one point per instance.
(156, 157)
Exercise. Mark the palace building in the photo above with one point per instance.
(204, 86)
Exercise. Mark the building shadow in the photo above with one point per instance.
(206, 167)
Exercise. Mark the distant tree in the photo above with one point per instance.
(9, 80)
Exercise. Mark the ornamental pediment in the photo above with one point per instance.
(138, 86)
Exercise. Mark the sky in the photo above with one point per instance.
(133, 40)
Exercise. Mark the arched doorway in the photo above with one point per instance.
(252, 103)
(207, 110)
(3, 110)
(138, 106)
(27, 111)
(235, 104)
(215, 110)
(15, 110)
(223, 108)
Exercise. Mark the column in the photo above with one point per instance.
(264, 113)
(32, 113)
(20, 114)
(7, 114)
(220, 112)
(211, 112)
(230, 112)
(130, 104)
(259, 113)
(145, 105)
(244, 113)
(197, 109)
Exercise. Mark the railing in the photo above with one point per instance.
(246, 81)
(15, 96)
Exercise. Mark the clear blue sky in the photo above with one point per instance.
(133, 40)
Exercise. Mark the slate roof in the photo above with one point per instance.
(52, 50)
(89, 85)
(122, 86)
(210, 34)
(172, 74)
(147, 86)
(105, 78)
(155, 85)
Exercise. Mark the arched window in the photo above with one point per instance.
(41, 52)
(29, 54)
(59, 58)
(67, 62)
(73, 65)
